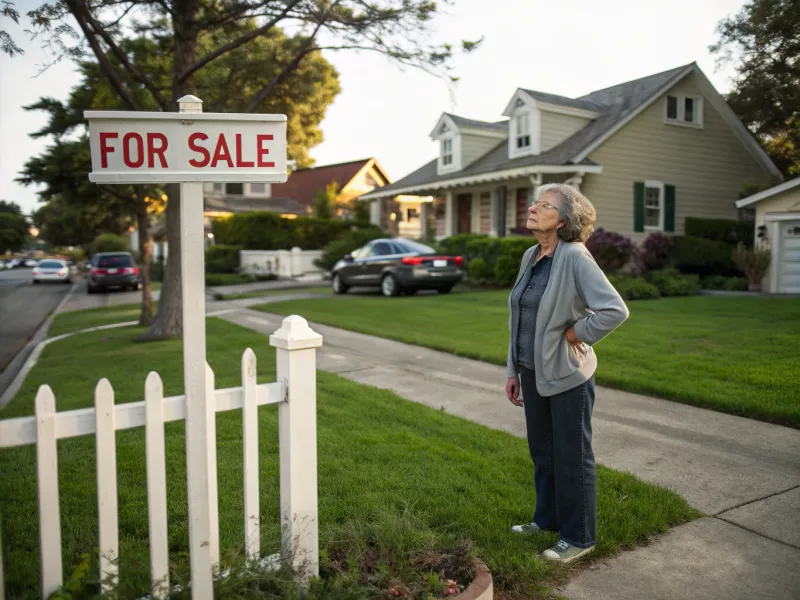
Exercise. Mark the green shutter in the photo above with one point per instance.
(669, 208)
(638, 206)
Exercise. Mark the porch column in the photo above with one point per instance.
(575, 181)
(375, 212)
(423, 220)
(449, 214)
(499, 211)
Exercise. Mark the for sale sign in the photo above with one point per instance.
(144, 147)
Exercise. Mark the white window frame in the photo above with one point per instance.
(680, 121)
(445, 155)
(659, 185)
(252, 192)
(520, 133)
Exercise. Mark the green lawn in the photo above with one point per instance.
(93, 317)
(378, 454)
(735, 355)
(326, 290)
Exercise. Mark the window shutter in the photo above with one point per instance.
(638, 206)
(669, 208)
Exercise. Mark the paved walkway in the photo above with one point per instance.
(744, 474)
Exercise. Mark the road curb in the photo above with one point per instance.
(12, 377)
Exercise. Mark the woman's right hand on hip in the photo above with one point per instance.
(512, 390)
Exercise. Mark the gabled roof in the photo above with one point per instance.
(768, 193)
(243, 204)
(463, 122)
(563, 100)
(303, 184)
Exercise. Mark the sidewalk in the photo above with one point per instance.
(744, 474)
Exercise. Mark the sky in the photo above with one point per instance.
(569, 47)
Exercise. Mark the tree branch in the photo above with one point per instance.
(238, 42)
(79, 10)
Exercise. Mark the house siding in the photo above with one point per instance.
(708, 166)
(788, 201)
(555, 128)
(485, 213)
(475, 146)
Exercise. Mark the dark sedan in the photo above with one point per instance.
(398, 266)
(113, 270)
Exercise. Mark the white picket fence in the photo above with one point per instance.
(294, 392)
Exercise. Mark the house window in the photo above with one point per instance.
(523, 130)
(447, 152)
(684, 110)
(654, 206)
(234, 189)
(258, 188)
(219, 187)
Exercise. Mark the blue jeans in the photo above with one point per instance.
(560, 442)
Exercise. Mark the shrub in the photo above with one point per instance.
(109, 242)
(728, 231)
(634, 288)
(344, 244)
(156, 271)
(703, 257)
(736, 284)
(720, 282)
(479, 270)
(670, 282)
(610, 250)
(507, 266)
(753, 262)
(655, 251)
(221, 258)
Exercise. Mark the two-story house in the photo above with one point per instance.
(648, 153)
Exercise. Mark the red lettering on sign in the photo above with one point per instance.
(193, 145)
(261, 151)
(105, 149)
(126, 150)
(153, 151)
(239, 161)
(221, 152)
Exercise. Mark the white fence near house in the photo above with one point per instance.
(294, 392)
(284, 263)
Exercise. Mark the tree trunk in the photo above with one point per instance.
(168, 321)
(145, 257)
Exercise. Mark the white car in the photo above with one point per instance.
(31, 263)
(51, 269)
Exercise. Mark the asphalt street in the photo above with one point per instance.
(23, 307)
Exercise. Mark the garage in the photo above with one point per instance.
(777, 212)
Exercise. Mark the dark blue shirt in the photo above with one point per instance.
(526, 297)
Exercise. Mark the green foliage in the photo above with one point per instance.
(753, 262)
(221, 258)
(720, 282)
(76, 255)
(216, 279)
(508, 263)
(670, 282)
(634, 288)
(269, 231)
(479, 270)
(344, 244)
(156, 271)
(501, 255)
(325, 201)
(13, 232)
(703, 257)
(109, 242)
(729, 231)
(361, 212)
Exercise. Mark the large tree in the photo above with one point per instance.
(7, 43)
(763, 39)
(13, 227)
(399, 29)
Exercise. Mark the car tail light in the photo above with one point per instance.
(459, 261)
(36, 271)
(99, 271)
(135, 270)
(61, 273)
(128, 271)
(412, 260)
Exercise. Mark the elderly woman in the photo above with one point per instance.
(561, 305)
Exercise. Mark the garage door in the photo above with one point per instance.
(789, 277)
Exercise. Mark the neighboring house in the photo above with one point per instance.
(778, 224)
(648, 153)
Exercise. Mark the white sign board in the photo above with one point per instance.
(146, 147)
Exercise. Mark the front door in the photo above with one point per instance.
(464, 209)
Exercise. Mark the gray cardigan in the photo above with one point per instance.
(578, 295)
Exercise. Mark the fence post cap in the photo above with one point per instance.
(295, 334)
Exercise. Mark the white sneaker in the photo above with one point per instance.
(527, 528)
(564, 552)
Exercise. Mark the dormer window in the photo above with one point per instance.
(523, 130)
(684, 110)
(447, 152)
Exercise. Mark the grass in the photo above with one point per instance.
(84, 319)
(728, 354)
(378, 455)
(326, 290)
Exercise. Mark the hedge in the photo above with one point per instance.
(344, 244)
(269, 231)
(670, 282)
(634, 288)
(720, 282)
(703, 257)
(728, 231)
(221, 258)
(498, 259)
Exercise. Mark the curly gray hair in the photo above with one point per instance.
(577, 212)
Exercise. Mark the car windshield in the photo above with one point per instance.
(50, 264)
(114, 261)
(412, 246)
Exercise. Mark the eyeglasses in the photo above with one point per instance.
(539, 204)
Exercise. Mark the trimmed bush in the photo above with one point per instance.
(269, 231)
(728, 231)
(753, 262)
(221, 258)
(720, 282)
(215, 279)
(507, 266)
(156, 271)
(703, 257)
(610, 250)
(479, 270)
(655, 251)
(502, 256)
(344, 244)
(634, 288)
(109, 242)
(670, 282)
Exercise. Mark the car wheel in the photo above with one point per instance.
(446, 290)
(389, 286)
(36, 281)
(338, 285)
(89, 289)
